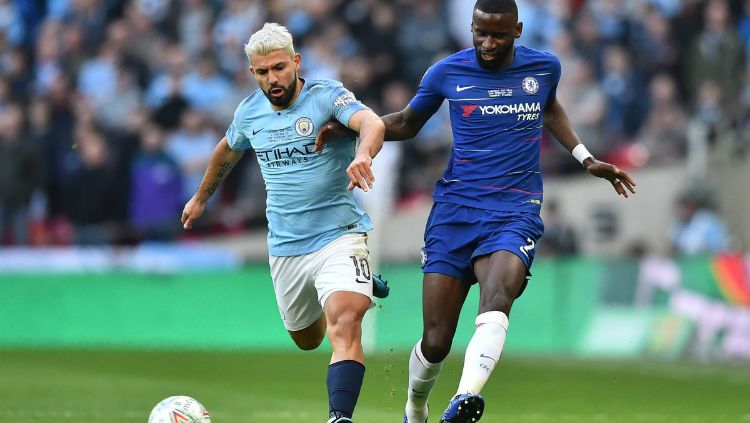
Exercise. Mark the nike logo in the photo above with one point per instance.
(486, 356)
(255, 132)
(359, 281)
(460, 88)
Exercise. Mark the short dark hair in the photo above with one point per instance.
(497, 6)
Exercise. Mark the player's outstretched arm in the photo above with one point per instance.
(222, 161)
(371, 130)
(404, 125)
(399, 126)
(557, 122)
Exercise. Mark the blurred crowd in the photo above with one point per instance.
(110, 109)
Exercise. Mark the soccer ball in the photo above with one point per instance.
(179, 409)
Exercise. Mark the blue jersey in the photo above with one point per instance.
(308, 204)
(496, 119)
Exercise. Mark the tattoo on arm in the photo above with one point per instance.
(212, 189)
(224, 169)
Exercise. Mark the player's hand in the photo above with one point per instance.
(620, 180)
(331, 130)
(360, 172)
(192, 211)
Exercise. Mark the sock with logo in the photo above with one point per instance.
(344, 383)
(483, 352)
(422, 376)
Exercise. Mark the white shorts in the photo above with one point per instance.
(304, 283)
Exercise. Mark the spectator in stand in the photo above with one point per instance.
(156, 189)
(698, 230)
(622, 89)
(664, 135)
(205, 87)
(716, 55)
(191, 146)
(20, 175)
(560, 239)
(652, 30)
(89, 199)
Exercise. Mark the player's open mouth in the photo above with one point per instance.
(276, 92)
(488, 56)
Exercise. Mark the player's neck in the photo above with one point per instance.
(298, 89)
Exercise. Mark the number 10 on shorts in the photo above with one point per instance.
(362, 268)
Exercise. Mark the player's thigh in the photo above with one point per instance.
(502, 278)
(450, 235)
(443, 297)
(344, 266)
(294, 285)
(503, 259)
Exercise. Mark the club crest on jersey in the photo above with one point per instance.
(423, 256)
(530, 85)
(303, 126)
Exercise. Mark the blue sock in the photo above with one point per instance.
(344, 383)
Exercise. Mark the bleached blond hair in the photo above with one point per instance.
(269, 38)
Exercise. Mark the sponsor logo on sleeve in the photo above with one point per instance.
(344, 99)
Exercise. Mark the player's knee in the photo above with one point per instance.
(496, 300)
(436, 344)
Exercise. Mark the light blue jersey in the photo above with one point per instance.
(308, 203)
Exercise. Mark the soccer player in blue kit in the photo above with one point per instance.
(485, 221)
(317, 231)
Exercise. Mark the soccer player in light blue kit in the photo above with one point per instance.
(485, 221)
(317, 231)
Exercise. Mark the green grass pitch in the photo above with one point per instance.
(243, 387)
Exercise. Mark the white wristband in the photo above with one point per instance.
(581, 153)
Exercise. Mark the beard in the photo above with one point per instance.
(496, 62)
(285, 98)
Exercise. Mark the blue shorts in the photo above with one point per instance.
(457, 235)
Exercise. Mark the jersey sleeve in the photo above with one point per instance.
(237, 139)
(429, 98)
(556, 70)
(341, 103)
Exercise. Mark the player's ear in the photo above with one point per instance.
(252, 70)
(519, 30)
(297, 60)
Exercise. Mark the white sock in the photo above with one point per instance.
(422, 376)
(483, 352)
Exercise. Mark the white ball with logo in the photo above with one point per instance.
(179, 409)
